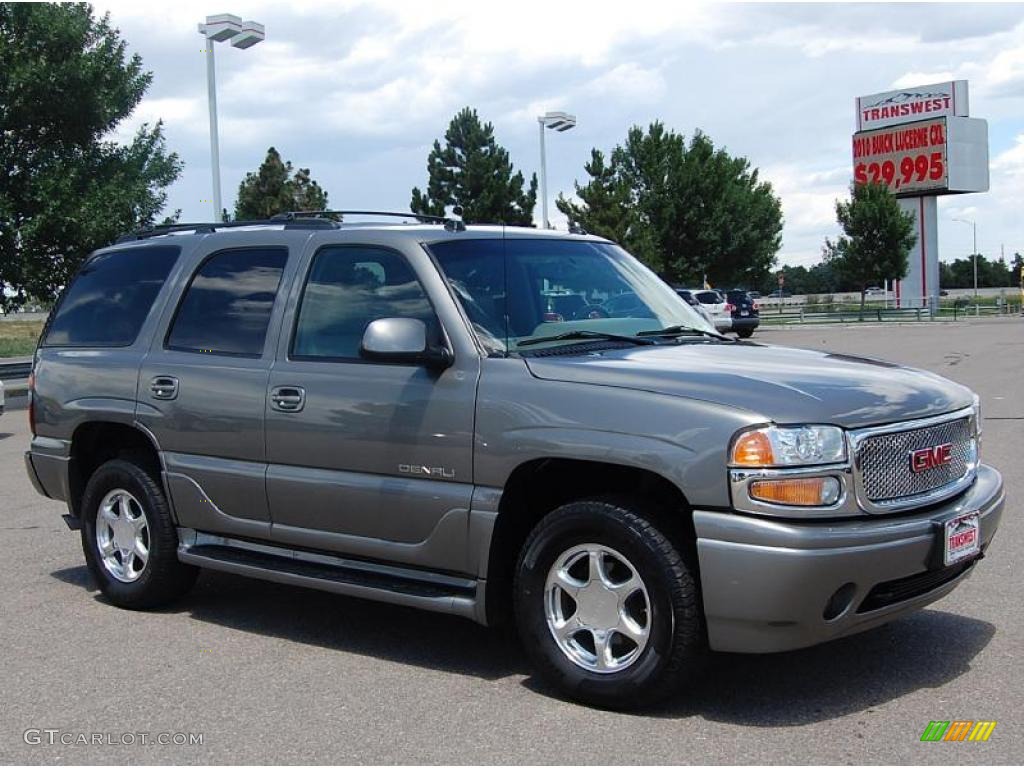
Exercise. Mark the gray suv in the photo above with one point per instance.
(504, 424)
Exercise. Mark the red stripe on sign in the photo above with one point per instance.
(924, 273)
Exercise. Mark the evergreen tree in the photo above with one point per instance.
(473, 171)
(686, 210)
(877, 236)
(274, 188)
(66, 82)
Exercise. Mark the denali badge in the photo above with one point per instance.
(416, 469)
(931, 458)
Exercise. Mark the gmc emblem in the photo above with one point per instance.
(931, 458)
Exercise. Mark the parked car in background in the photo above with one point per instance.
(746, 314)
(754, 294)
(716, 306)
(779, 294)
(874, 290)
(688, 297)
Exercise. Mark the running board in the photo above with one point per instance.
(355, 578)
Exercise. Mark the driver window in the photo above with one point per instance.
(348, 288)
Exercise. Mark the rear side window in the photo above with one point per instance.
(709, 297)
(348, 288)
(110, 298)
(226, 309)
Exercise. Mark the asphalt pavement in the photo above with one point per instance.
(269, 673)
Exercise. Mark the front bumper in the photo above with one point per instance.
(767, 583)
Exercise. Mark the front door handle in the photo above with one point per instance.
(164, 387)
(287, 399)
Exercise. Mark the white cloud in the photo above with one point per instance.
(358, 90)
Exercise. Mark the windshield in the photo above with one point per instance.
(527, 291)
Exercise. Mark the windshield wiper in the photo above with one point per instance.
(679, 330)
(571, 335)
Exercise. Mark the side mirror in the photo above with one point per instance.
(402, 340)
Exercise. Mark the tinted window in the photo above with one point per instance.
(110, 298)
(347, 289)
(228, 303)
(709, 297)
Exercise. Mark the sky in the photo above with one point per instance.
(358, 91)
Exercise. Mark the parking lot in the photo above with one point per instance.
(269, 673)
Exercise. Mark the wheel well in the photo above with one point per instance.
(538, 487)
(99, 441)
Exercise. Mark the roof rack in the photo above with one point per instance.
(290, 220)
(453, 224)
(207, 227)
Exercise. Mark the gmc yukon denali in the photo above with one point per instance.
(504, 424)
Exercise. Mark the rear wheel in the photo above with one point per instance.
(129, 538)
(607, 606)
(746, 333)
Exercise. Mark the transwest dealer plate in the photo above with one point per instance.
(962, 537)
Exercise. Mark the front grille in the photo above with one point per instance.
(898, 590)
(884, 461)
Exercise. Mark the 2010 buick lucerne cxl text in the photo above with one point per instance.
(504, 424)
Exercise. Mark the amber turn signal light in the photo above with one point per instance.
(754, 449)
(797, 492)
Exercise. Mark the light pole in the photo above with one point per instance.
(974, 255)
(242, 34)
(556, 121)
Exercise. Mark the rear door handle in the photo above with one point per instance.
(164, 387)
(287, 399)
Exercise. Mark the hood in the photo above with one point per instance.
(782, 384)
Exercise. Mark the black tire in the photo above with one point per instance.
(164, 578)
(745, 334)
(676, 645)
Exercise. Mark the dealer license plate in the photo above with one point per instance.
(744, 313)
(962, 538)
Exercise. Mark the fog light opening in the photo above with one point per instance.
(840, 601)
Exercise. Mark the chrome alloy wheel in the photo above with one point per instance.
(597, 608)
(122, 535)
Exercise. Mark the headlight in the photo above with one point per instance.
(789, 447)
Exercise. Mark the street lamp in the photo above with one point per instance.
(556, 121)
(974, 255)
(242, 34)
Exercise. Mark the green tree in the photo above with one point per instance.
(877, 236)
(607, 205)
(686, 210)
(473, 171)
(67, 188)
(274, 188)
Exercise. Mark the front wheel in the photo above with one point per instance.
(607, 606)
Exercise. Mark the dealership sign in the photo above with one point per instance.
(944, 155)
(921, 142)
(909, 104)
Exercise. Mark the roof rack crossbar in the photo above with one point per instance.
(425, 218)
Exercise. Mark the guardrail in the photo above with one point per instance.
(847, 312)
(15, 369)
